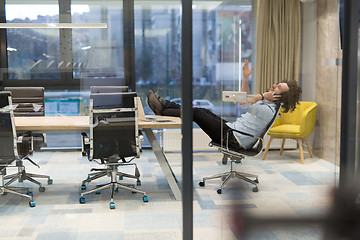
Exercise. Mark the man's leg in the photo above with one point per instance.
(214, 126)
(210, 123)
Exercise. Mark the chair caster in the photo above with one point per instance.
(121, 177)
(145, 198)
(30, 194)
(50, 181)
(83, 187)
(256, 180)
(138, 182)
(255, 189)
(41, 189)
(202, 183)
(97, 192)
(82, 200)
(112, 205)
(219, 191)
(83, 154)
(20, 180)
(32, 203)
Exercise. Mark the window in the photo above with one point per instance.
(98, 53)
(218, 27)
(32, 53)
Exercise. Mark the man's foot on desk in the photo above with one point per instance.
(154, 102)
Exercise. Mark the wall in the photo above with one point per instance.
(328, 82)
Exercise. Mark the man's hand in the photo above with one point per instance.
(270, 96)
(246, 70)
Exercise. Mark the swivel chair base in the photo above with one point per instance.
(225, 177)
(4, 189)
(22, 175)
(113, 184)
(107, 171)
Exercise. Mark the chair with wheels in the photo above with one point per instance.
(113, 141)
(99, 89)
(8, 147)
(29, 102)
(236, 156)
(298, 125)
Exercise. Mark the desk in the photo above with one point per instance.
(82, 124)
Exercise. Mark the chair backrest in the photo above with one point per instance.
(114, 125)
(8, 146)
(108, 89)
(258, 146)
(304, 115)
(294, 117)
(27, 98)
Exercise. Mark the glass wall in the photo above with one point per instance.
(98, 53)
(218, 27)
(68, 61)
(33, 53)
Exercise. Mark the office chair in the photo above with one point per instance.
(8, 147)
(114, 141)
(297, 124)
(99, 89)
(237, 155)
(29, 101)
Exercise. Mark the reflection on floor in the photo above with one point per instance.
(286, 188)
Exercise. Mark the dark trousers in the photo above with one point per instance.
(214, 126)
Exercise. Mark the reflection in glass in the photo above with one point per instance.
(98, 53)
(218, 28)
(33, 53)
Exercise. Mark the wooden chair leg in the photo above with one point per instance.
(282, 146)
(301, 150)
(267, 147)
(308, 146)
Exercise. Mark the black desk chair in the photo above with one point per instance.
(113, 141)
(29, 101)
(99, 89)
(8, 147)
(237, 155)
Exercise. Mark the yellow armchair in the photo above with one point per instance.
(298, 125)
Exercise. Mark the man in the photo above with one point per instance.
(260, 110)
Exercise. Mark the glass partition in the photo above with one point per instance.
(33, 53)
(225, 34)
(98, 53)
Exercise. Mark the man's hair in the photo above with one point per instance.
(290, 98)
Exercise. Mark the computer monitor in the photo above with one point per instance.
(108, 89)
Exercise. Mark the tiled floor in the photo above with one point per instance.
(286, 188)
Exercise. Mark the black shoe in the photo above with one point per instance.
(154, 102)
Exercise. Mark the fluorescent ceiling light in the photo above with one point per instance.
(86, 48)
(53, 25)
(10, 49)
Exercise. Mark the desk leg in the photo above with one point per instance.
(164, 164)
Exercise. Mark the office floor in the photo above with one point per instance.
(286, 188)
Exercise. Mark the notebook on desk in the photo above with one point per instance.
(158, 119)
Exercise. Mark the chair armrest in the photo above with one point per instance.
(307, 122)
(85, 144)
(24, 145)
